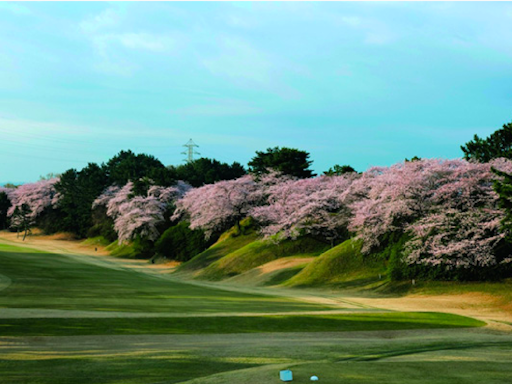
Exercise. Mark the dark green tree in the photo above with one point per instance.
(498, 144)
(5, 204)
(78, 190)
(289, 161)
(182, 243)
(207, 171)
(141, 169)
(339, 170)
(415, 158)
(21, 219)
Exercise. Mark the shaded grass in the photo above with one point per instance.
(227, 243)
(51, 281)
(258, 253)
(98, 240)
(453, 372)
(455, 358)
(150, 368)
(124, 250)
(283, 275)
(236, 324)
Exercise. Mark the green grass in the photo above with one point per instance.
(51, 281)
(464, 372)
(342, 267)
(124, 250)
(280, 276)
(454, 357)
(228, 243)
(391, 347)
(258, 253)
(98, 240)
(149, 368)
(233, 324)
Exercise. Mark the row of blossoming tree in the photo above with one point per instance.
(447, 210)
(441, 218)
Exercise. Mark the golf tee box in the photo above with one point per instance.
(286, 375)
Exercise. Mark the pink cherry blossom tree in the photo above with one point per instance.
(139, 215)
(449, 208)
(316, 206)
(36, 196)
(7, 191)
(463, 225)
(216, 207)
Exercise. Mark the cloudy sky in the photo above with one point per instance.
(352, 83)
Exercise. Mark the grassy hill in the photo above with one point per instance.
(342, 266)
(247, 259)
(229, 242)
(257, 253)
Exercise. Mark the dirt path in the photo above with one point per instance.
(480, 306)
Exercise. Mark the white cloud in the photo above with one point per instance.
(103, 31)
(352, 21)
(15, 8)
(28, 129)
(137, 41)
(240, 61)
(108, 18)
(378, 38)
(145, 41)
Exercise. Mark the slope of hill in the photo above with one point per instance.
(260, 252)
(229, 242)
(342, 266)
(272, 273)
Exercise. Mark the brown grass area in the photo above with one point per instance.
(284, 263)
(64, 243)
(481, 306)
(58, 243)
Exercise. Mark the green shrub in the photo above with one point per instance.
(181, 243)
(136, 249)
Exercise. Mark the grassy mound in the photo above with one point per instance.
(97, 241)
(272, 273)
(124, 250)
(258, 253)
(229, 242)
(342, 266)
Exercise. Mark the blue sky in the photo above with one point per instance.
(352, 83)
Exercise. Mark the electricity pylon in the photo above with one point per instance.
(190, 152)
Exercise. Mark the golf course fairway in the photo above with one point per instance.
(72, 318)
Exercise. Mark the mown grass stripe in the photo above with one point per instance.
(232, 324)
